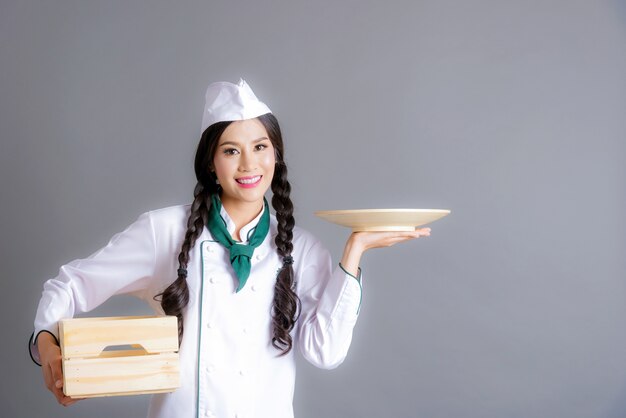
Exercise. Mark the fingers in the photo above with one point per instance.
(398, 239)
(369, 240)
(56, 381)
(67, 401)
(406, 236)
(61, 398)
(52, 368)
(423, 232)
(57, 373)
(388, 239)
(53, 377)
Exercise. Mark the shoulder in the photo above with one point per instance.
(172, 217)
(303, 238)
(170, 212)
(303, 241)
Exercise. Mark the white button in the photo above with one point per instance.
(213, 280)
(253, 287)
(209, 325)
(208, 414)
(259, 256)
(210, 368)
(241, 373)
(245, 330)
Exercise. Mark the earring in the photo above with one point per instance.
(217, 181)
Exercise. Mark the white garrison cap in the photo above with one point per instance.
(228, 102)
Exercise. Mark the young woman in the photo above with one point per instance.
(250, 288)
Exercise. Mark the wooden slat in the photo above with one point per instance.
(108, 394)
(87, 337)
(121, 375)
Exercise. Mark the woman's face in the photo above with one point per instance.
(244, 163)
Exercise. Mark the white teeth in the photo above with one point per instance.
(249, 180)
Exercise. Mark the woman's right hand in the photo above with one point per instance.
(50, 357)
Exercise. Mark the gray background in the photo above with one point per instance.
(509, 113)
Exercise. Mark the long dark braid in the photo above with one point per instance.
(175, 297)
(286, 304)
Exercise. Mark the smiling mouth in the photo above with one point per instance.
(248, 181)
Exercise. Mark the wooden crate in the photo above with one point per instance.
(147, 363)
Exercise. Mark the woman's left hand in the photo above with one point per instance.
(368, 240)
(359, 242)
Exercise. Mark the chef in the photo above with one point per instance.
(249, 288)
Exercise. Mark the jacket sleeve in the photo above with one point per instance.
(330, 302)
(125, 265)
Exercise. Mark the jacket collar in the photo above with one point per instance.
(246, 230)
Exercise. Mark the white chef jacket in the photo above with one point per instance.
(229, 369)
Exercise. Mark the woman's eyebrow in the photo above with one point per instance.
(237, 144)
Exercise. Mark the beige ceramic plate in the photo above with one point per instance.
(382, 219)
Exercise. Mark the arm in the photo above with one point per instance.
(331, 301)
(125, 265)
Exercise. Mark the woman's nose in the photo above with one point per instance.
(246, 162)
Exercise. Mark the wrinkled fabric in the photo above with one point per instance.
(228, 366)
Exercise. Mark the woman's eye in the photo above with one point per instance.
(260, 147)
(230, 151)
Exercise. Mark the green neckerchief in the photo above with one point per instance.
(239, 254)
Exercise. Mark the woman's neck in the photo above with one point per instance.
(241, 213)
